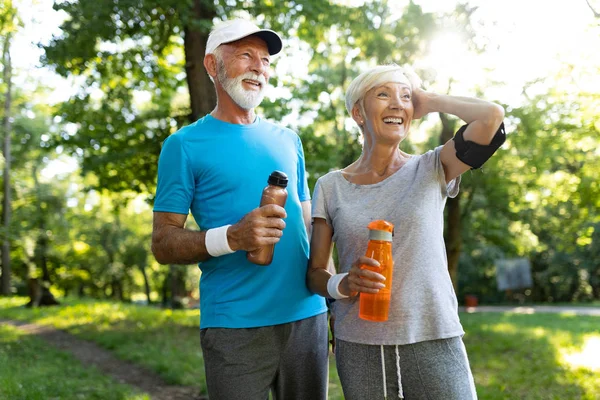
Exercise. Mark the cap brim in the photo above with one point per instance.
(271, 38)
(274, 43)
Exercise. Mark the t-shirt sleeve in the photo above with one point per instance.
(319, 204)
(450, 189)
(175, 186)
(303, 192)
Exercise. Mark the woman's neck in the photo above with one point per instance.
(378, 159)
(375, 164)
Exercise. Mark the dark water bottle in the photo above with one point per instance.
(274, 193)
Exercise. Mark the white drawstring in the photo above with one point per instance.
(383, 370)
(400, 392)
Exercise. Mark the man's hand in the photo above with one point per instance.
(261, 227)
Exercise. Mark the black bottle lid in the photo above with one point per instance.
(278, 178)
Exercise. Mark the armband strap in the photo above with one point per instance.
(475, 154)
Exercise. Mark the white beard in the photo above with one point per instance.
(246, 99)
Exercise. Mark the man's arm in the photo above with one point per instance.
(173, 244)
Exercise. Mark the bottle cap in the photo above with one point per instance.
(381, 230)
(278, 178)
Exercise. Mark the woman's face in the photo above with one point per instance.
(388, 112)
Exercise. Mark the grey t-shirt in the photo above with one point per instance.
(423, 303)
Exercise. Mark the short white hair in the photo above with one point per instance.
(378, 76)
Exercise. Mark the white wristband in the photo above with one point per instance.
(216, 243)
(333, 286)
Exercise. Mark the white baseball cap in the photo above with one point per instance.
(236, 29)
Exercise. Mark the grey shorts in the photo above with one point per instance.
(290, 360)
(430, 370)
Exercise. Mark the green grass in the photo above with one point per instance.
(513, 356)
(594, 303)
(538, 356)
(164, 341)
(29, 370)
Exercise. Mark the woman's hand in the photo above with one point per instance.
(362, 280)
(420, 100)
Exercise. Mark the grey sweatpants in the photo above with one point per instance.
(290, 360)
(430, 370)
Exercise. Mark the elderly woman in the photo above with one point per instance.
(418, 352)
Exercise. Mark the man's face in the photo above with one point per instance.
(243, 69)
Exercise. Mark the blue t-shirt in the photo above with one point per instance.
(218, 171)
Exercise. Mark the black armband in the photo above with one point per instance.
(475, 154)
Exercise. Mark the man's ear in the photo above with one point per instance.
(210, 63)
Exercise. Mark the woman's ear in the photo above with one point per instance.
(210, 63)
(357, 115)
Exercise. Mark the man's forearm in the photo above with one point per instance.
(174, 245)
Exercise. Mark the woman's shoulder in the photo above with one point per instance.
(330, 177)
(429, 158)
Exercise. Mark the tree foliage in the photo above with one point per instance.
(137, 66)
(543, 201)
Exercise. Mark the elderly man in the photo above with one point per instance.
(261, 328)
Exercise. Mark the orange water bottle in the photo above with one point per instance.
(375, 307)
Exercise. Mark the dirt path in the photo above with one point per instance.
(122, 371)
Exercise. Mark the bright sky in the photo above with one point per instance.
(41, 22)
(528, 39)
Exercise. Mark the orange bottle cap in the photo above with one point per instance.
(381, 225)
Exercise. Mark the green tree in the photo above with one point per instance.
(144, 48)
(8, 25)
(542, 201)
(38, 205)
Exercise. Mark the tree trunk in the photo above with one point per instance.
(178, 292)
(173, 288)
(453, 238)
(116, 288)
(202, 94)
(41, 250)
(165, 289)
(35, 293)
(146, 283)
(452, 234)
(6, 203)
